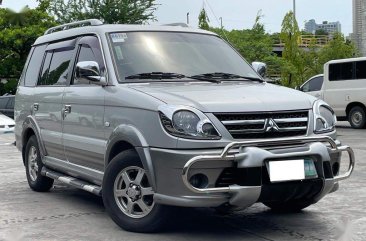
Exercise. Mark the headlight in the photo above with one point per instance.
(188, 123)
(324, 117)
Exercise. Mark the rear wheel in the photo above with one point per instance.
(289, 206)
(129, 198)
(357, 117)
(33, 166)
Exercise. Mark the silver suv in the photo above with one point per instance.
(151, 117)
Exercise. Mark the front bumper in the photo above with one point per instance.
(244, 155)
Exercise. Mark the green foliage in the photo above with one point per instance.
(321, 32)
(109, 11)
(18, 33)
(203, 20)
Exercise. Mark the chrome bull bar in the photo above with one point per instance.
(225, 156)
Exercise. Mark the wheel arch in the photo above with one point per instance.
(126, 137)
(29, 129)
(354, 104)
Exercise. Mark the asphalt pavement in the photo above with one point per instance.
(66, 213)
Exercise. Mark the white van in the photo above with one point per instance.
(343, 87)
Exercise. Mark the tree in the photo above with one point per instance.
(18, 32)
(321, 32)
(109, 11)
(203, 20)
(337, 48)
(293, 72)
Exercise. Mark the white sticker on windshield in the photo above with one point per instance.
(118, 37)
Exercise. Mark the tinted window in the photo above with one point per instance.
(361, 70)
(90, 51)
(341, 71)
(3, 102)
(10, 104)
(31, 75)
(56, 73)
(316, 84)
(45, 70)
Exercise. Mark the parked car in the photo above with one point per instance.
(174, 117)
(343, 87)
(6, 124)
(7, 105)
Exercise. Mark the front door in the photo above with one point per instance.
(83, 107)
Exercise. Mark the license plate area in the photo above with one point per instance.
(291, 170)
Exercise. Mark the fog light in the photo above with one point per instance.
(199, 180)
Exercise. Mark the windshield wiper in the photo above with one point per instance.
(156, 75)
(217, 77)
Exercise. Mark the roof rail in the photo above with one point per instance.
(177, 24)
(88, 22)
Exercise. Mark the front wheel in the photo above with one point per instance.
(289, 206)
(129, 198)
(357, 117)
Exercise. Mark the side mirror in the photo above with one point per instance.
(89, 71)
(261, 68)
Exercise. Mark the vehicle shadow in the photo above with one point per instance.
(254, 223)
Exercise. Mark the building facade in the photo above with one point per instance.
(359, 25)
(330, 27)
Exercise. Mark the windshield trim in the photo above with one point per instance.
(117, 73)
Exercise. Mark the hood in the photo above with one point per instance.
(4, 120)
(228, 96)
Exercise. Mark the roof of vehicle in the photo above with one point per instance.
(108, 28)
(337, 61)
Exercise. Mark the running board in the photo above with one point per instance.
(74, 182)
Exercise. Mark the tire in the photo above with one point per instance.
(357, 117)
(124, 206)
(33, 167)
(289, 206)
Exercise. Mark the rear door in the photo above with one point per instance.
(83, 125)
(48, 95)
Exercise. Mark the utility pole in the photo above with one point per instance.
(187, 17)
(221, 22)
(1, 2)
(294, 8)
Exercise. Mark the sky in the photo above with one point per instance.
(240, 14)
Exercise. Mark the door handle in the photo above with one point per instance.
(35, 106)
(67, 109)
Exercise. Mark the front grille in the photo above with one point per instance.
(266, 124)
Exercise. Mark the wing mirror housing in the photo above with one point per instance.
(89, 72)
(261, 68)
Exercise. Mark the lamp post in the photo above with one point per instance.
(294, 7)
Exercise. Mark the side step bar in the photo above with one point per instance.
(74, 182)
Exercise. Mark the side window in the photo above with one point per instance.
(31, 75)
(55, 67)
(316, 84)
(3, 102)
(89, 50)
(10, 104)
(305, 87)
(341, 71)
(361, 70)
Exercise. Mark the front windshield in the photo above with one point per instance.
(187, 54)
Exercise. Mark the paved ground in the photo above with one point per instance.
(69, 214)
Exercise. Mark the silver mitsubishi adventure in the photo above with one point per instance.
(151, 117)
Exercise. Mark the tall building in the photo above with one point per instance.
(330, 27)
(359, 25)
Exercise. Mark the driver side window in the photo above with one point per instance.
(89, 50)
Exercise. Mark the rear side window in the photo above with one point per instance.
(361, 70)
(10, 104)
(32, 73)
(56, 67)
(3, 102)
(341, 71)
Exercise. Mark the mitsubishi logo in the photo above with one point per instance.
(270, 125)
